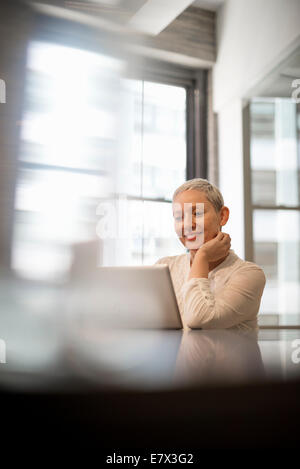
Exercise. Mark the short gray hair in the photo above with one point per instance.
(212, 192)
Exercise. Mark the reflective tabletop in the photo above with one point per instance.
(201, 388)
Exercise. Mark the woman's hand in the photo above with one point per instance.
(216, 248)
(212, 251)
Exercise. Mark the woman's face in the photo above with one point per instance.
(194, 224)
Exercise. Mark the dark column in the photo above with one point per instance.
(16, 22)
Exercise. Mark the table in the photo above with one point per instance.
(86, 386)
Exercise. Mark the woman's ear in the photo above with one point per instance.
(224, 215)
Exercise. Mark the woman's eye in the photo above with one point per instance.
(198, 214)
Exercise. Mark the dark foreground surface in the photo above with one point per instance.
(110, 390)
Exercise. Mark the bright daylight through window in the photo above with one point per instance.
(89, 133)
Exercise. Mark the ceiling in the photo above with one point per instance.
(154, 16)
(145, 16)
(151, 17)
(212, 5)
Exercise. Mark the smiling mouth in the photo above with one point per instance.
(192, 237)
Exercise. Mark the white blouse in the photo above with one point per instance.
(229, 298)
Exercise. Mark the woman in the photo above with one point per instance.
(214, 287)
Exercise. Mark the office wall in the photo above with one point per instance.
(252, 38)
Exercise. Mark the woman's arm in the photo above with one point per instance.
(200, 266)
(238, 301)
(217, 249)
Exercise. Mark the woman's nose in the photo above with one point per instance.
(190, 222)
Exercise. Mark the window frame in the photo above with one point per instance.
(267, 320)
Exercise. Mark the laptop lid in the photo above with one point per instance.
(128, 297)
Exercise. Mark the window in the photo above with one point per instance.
(151, 164)
(68, 140)
(275, 168)
(90, 135)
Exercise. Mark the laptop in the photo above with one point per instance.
(138, 297)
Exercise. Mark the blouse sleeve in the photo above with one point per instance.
(163, 260)
(238, 301)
